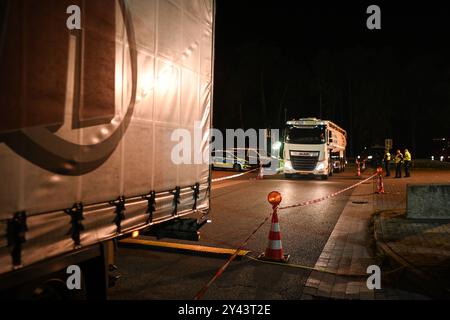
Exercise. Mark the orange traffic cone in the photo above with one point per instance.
(274, 251)
(358, 173)
(380, 184)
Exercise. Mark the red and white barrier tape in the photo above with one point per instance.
(222, 269)
(305, 203)
(219, 272)
(233, 176)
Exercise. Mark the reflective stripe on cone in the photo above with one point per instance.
(274, 251)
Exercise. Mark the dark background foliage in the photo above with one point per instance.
(291, 59)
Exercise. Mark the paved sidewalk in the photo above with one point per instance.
(422, 246)
(349, 251)
(351, 247)
(346, 252)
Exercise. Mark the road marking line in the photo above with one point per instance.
(183, 247)
(318, 269)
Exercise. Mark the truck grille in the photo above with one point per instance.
(304, 163)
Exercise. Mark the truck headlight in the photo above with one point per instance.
(288, 165)
(320, 166)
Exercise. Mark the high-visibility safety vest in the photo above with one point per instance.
(407, 156)
(388, 156)
(398, 158)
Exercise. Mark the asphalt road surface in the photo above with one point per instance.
(238, 207)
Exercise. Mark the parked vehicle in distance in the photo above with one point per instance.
(372, 156)
(309, 146)
(222, 159)
(255, 157)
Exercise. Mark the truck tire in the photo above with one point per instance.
(237, 167)
(324, 177)
(288, 176)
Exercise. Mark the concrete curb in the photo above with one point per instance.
(421, 281)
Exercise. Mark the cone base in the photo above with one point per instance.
(263, 257)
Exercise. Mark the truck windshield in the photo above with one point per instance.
(305, 135)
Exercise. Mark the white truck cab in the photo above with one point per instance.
(309, 144)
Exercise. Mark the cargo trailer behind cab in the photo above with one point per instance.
(86, 118)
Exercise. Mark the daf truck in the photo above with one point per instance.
(313, 147)
(90, 94)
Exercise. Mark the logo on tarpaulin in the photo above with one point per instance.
(31, 130)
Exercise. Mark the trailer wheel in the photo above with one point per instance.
(237, 167)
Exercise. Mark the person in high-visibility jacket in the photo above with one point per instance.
(407, 160)
(398, 164)
(387, 162)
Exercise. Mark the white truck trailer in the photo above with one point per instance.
(86, 117)
(313, 147)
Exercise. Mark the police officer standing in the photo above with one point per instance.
(387, 162)
(398, 164)
(407, 160)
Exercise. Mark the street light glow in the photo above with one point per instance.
(276, 145)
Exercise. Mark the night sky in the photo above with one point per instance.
(320, 60)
